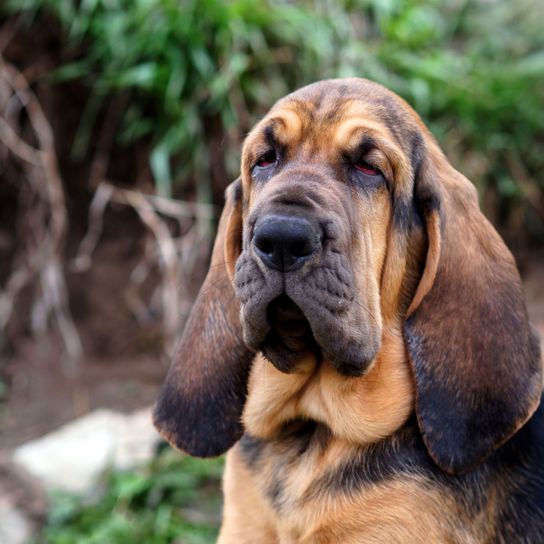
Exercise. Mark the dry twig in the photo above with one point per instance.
(168, 252)
(39, 263)
(44, 258)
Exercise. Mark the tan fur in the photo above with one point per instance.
(396, 267)
(402, 511)
(246, 517)
(359, 411)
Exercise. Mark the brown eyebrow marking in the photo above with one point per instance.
(383, 113)
(283, 128)
(302, 108)
(347, 130)
(270, 136)
(367, 144)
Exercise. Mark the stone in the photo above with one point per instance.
(137, 440)
(14, 526)
(74, 457)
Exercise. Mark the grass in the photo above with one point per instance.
(172, 499)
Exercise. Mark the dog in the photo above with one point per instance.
(360, 345)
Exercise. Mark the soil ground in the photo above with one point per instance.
(43, 393)
(123, 364)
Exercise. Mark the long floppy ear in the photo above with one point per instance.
(475, 358)
(201, 401)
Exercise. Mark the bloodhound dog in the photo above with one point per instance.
(361, 344)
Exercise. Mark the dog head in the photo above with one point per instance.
(347, 217)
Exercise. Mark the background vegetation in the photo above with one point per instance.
(169, 500)
(194, 75)
(163, 92)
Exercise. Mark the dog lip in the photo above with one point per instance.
(255, 289)
(286, 316)
(283, 308)
(290, 336)
(288, 321)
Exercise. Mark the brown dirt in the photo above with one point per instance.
(123, 365)
(43, 395)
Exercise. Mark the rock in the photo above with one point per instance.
(74, 457)
(137, 440)
(23, 502)
(14, 526)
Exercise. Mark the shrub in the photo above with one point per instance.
(191, 71)
(172, 499)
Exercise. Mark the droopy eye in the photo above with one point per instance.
(366, 168)
(266, 160)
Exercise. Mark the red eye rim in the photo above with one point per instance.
(367, 168)
(266, 160)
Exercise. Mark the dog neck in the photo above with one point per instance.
(359, 410)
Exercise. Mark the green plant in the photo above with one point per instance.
(192, 70)
(172, 499)
(473, 71)
(194, 75)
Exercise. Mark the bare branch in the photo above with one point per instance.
(46, 263)
(168, 262)
(102, 196)
(44, 247)
(167, 255)
(18, 146)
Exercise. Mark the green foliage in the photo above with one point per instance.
(192, 70)
(173, 499)
(474, 71)
(185, 64)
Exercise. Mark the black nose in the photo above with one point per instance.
(285, 243)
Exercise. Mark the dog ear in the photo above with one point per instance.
(474, 356)
(201, 401)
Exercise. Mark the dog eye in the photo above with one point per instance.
(266, 160)
(366, 168)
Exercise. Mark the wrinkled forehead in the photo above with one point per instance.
(331, 105)
(336, 118)
(333, 114)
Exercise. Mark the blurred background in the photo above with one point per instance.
(120, 126)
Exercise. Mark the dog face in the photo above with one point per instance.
(317, 174)
(348, 220)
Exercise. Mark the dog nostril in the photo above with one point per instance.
(301, 248)
(285, 243)
(265, 245)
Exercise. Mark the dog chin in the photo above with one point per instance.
(288, 319)
(289, 338)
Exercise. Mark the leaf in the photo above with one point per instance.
(160, 167)
(141, 75)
